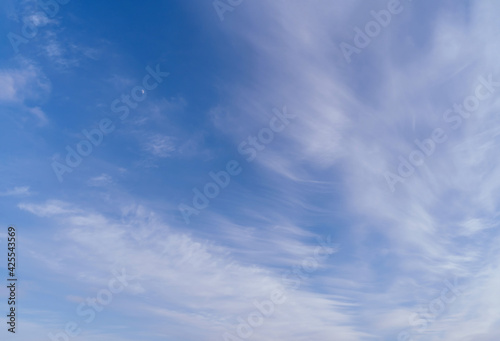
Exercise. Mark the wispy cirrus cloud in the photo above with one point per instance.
(160, 146)
(27, 82)
(356, 124)
(48, 209)
(101, 180)
(16, 191)
(24, 86)
(198, 272)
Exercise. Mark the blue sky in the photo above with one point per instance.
(373, 186)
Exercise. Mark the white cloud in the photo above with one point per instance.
(193, 282)
(356, 119)
(40, 19)
(48, 209)
(101, 180)
(160, 145)
(38, 113)
(25, 85)
(16, 191)
(7, 88)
